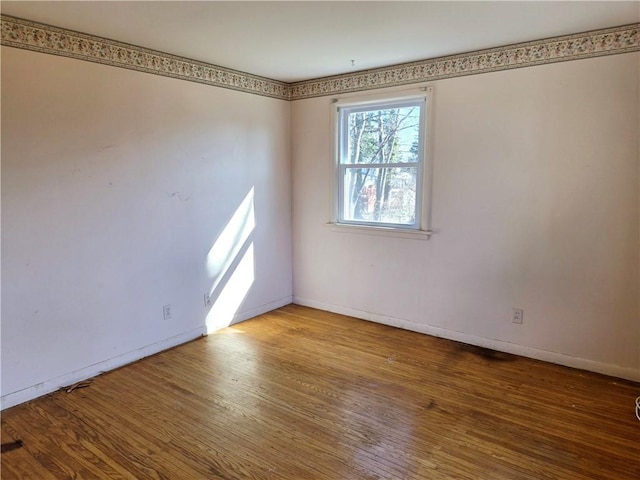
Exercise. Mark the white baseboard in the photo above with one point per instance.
(502, 346)
(267, 307)
(48, 386)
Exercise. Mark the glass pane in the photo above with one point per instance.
(387, 135)
(380, 195)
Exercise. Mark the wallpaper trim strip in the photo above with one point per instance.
(38, 37)
(57, 41)
(596, 43)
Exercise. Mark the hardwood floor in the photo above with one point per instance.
(304, 394)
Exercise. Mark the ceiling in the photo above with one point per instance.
(298, 40)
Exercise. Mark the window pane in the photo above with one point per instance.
(380, 195)
(386, 135)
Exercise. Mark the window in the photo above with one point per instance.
(380, 165)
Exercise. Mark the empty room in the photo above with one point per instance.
(320, 240)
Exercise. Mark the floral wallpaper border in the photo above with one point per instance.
(29, 35)
(558, 49)
(16, 32)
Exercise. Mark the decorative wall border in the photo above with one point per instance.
(596, 43)
(16, 32)
(19, 33)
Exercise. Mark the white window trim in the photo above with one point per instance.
(380, 231)
(424, 230)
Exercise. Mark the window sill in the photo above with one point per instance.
(380, 231)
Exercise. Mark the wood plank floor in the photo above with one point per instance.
(304, 394)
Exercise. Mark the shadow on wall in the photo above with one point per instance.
(230, 265)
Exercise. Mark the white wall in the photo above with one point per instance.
(535, 205)
(115, 186)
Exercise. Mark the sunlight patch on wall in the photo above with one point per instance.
(231, 266)
(228, 244)
(233, 293)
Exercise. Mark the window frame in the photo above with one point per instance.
(341, 110)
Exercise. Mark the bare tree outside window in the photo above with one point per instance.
(380, 165)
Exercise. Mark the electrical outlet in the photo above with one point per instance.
(518, 315)
(166, 312)
(207, 300)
